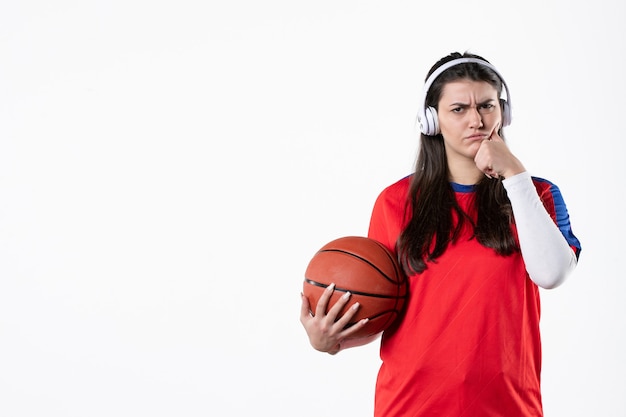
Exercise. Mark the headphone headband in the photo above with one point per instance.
(427, 116)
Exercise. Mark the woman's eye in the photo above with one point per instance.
(457, 109)
(487, 107)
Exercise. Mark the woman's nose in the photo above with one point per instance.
(476, 119)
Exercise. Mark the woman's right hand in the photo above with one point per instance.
(325, 329)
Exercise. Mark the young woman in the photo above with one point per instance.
(477, 236)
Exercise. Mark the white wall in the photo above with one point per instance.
(168, 168)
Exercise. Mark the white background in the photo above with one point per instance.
(168, 168)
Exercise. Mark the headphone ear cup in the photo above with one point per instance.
(424, 123)
(430, 124)
(506, 112)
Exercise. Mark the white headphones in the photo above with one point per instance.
(427, 116)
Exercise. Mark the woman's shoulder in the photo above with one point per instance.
(394, 196)
(546, 187)
(541, 182)
(399, 188)
(389, 211)
(542, 185)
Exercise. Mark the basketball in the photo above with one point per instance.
(365, 268)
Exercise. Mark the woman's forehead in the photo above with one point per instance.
(464, 89)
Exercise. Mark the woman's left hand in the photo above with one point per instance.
(495, 159)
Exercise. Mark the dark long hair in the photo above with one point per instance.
(432, 204)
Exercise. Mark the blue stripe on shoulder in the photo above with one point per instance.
(562, 216)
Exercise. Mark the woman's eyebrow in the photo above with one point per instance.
(463, 104)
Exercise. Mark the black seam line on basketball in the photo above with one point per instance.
(319, 284)
(394, 313)
(390, 257)
(361, 258)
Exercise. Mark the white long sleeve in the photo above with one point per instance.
(548, 256)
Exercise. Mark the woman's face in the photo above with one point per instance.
(468, 113)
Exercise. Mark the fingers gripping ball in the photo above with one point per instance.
(365, 268)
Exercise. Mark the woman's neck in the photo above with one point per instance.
(466, 174)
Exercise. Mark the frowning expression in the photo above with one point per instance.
(468, 112)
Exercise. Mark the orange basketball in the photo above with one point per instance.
(365, 268)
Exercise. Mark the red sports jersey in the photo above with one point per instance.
(469, 343)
